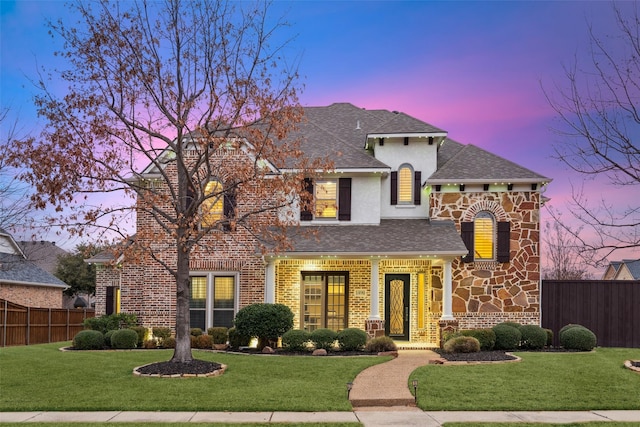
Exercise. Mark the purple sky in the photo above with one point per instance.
(474, 69)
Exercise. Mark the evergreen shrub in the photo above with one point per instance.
(88, 340)
(150, 344)
(352, 339)
(161, 333)
(462, 344)
(111, 322)
(381, 344)
(549, 333)
(237, 340)
(265, 321)
(507, 337)
(533, 337)
(169, 342)
(141, 331)
(486, 337)
(107, 338)
(578, 338)
(124, 338)
(204, 342)
(196, 332)
(218, 334)
(323, 338)
(295, 340)
(568, 326)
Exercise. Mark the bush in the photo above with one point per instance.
(107, 338)
(295, 340)
(141, 331)
(578, 338)
(512, 324)
(507, 337)
(533, 337)
(463, 344)
(323, 338)
(265, 321)
(218, 334)
(111, 322)
(352, 339)
(566, 327)
(204, 342)
(237, 340)
(549, 333)
(169, 342)
(196, 332)
(88, 340)
(150, 344)
(124, 338)
(486, 337)
(380, 344)
(162, 334)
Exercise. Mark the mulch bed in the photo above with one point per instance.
(480, 356)
(195, 367)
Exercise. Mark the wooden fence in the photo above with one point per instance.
(610, 308)
(21, 325)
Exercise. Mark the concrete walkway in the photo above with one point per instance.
(380, 397)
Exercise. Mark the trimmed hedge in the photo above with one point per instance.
(462, 344)
(218, 334)
(265, 321)
(352, 339)
(111, 322)
(578, 338)
(507, 337)
(295, 340)
(486, 337)
(237, 340)
(323, 338)
(204, 342)
(88, 340)
(124, 338)
(142, 332)
(196, 332)
(533, 337)
(381, 344)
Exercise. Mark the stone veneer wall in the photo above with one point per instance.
(487, 293)
(32, 296)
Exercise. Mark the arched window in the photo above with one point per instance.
(484, 236)
(213, 205)
(405, 184)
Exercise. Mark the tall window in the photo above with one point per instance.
(212, 208)
(484, 236)
(405, 184)
(324, 300)
(212, 300)
(326, 199)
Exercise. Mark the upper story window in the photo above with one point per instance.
(405, 186)
(484, 236)
(212, 207)
(486, 239)
(331, 199)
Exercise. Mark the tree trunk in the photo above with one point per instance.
(182, 353)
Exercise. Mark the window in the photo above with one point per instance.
(331, 198)
(405, 186)
(212, 207)
(324, 300)
(212, 300)
(486, 239)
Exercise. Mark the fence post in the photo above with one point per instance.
(4, 326)
(68, 320)
(28, 325)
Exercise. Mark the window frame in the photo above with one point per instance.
(324, 298)
(478, 233)
(317, 185)
(405, 179)
(209, 217)
(209, 308)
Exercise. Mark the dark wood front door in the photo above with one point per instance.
(396, 306)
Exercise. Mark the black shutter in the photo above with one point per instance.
(417, 187)
(110, 300)
(229, 207)
(344, 199)
(307, 215)
(504, 242)
(394, 188)
(466, 232)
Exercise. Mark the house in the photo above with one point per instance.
(23, 282)
(415, 233)
(627, 269)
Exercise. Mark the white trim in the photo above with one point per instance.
(44, 285)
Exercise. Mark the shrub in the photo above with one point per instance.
(111, 322)
(549, 333)
(295, 340)
(141, 331)
(237, 340)
(107, 338)
(218, 334)
(124, 338)
(512, 324)
(380, 344)
(486, 337)
(463, 344)
(169, 342)
(204, 342)
(533, 337)
(566, 327)
(352, 339)
(162, 334)
(265, 321)
(88, 340)
(150, 344)
(578, 338)
(323, 338)
(196, 332)
(507, 337)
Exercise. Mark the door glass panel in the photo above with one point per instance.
(396, 307)
(312, 302)
(336, 302)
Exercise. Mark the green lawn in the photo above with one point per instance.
(540, 382)
(41, 377)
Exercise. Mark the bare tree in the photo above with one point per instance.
(561, 249)
(600, 127)
(196, 92)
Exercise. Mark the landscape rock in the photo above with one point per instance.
(319, 352)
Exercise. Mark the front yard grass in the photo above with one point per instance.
(42, 378)
(540, 382)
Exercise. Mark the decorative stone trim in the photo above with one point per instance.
(374, 328)
(485, 205)
(629, 365)
(215, 373)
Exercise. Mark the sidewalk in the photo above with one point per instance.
(370, 417)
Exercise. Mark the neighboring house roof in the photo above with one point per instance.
(43, 254)
(15, 269)
(627, 269)
(633, 265)
(8, 245)
(468, 163)
(392, 237)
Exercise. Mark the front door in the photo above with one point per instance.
(396, 306)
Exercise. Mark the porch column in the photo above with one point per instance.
(270, 281)
(447, 313)
(374, 310)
